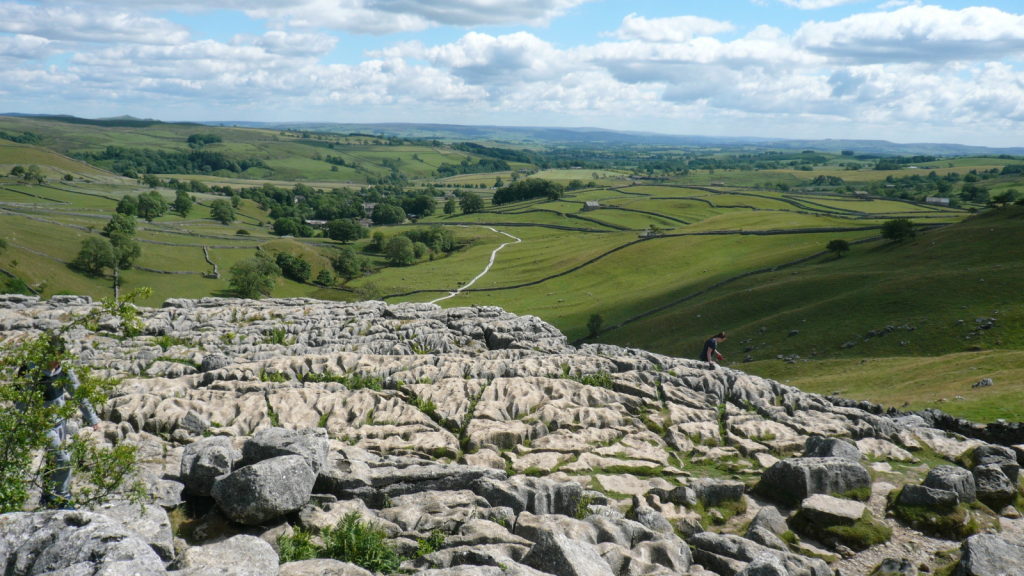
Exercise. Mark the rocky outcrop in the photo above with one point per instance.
(483, 433)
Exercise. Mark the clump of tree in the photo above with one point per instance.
(348, 264)
(222, 211)
(293, 267)
(386, 213)
(837, 247)
(1011, 196)
(346, 230)
(103, 471)
(293, 227)
(118, 251)
(437, 238)
(594, 324)
(31, 174)
(151, 206)
(399, 251)
(200, 140)
(485, 165)
(182, 203)
(898, 230)
(254, 277)
(527, 190)
(471, 202)
(450, 206)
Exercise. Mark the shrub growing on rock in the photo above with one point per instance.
(352, 540)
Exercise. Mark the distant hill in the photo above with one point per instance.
(543, 135)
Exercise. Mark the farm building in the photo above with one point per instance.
(591, 205)
(368, 208)
(862, 193)
(937, 201)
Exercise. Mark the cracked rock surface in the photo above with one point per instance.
(525, 454)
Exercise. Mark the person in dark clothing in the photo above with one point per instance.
(54, 385)
(710, 351)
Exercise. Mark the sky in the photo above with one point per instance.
(899, 70)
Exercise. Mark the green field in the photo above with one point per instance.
(739, 250)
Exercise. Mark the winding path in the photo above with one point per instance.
(487, 269)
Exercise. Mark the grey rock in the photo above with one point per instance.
(165, 493)
(1002, 456)
(794, 479)
(921, 495)
(533, 527)
(766, 538)
(764, 565)
(983, 383)
(150, 523)
(714, 491)
(728, 555)
(894, 567)
(649, 517)
(672, 553)
(478, 532)
(825, 510)
(953, 479)
(266, 490)
(769, 519)
(203, 462)
(821, 447)
(464, 571)
(482, 555)
(194, 423)
(994, 488)
(311, 444)
(555, 554)
(625, 533)
(237, 556)
(213, 362)
(989, 555)
(72, 543)
(322, 567)
(534, 495)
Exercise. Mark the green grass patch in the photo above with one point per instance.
(353, 540)
(955, 522)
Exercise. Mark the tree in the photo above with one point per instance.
(594, 324)
(449, 206)
(129, 206)
(182, 203)
(399, 251)
(292, 267)
(24, 432)
(346, 230)
(151, 206)
(837, 247)
(120, 224)
(35, 173)
(236, 201)
(347, 263)
(471, 202)
(499, 183)
(69, 178)
(151, 180)
(324, 278)
(898, 230)
(125, 250)
(254, 277)
(388, 214)
(419, 249)
(377, 242)
(18, 171)
(1011, 196)
(95, 255)
(222, 212)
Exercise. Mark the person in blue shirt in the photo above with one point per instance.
(56, 382)
(710, 351)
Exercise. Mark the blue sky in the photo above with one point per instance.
(897, 70)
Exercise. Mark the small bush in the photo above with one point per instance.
(602, 380)
(432, 544)
(352, 540)
(583, 507)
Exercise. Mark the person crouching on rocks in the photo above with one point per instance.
(54, 383)
(710, 350)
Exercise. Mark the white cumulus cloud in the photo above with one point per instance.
(674, 29)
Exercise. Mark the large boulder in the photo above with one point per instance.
(72, 543)
(649, 517)
(148, 522)
(1001, 456)
(266, 490)
(766, 564)
(953, 479)
(556, 554)
(821, 447)
(921, 495)
(794, 479)
(311, 444)
(831, 511)
(714, 491)
(989, 555)
(203, 462)
(237, 556)
(994, 488)
(769, 519)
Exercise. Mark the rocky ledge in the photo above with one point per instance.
(480, 442)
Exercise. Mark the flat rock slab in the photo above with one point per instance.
(831, 511)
